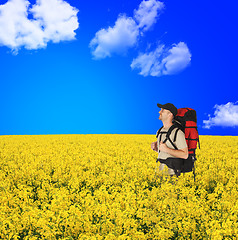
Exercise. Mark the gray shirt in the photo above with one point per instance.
(180, 142)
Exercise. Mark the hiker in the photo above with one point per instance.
(168, 151)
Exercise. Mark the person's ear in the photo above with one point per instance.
(171, 115)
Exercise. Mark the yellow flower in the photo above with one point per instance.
(104, 187)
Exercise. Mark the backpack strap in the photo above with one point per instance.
(175, 135)
(158, 132)
(168, 136)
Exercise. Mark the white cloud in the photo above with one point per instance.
(53, 20)
(147, 13)
(115, 39)
(163, 61)
(225, 115)
(125, 33)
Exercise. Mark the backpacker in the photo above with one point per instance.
(186, 120)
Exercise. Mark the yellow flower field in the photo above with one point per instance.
(104, 187)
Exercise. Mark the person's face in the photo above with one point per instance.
(164, 114)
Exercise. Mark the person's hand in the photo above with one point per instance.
(154, 146)
(163, 147)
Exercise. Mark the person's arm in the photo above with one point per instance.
(181, 153)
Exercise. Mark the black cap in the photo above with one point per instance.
(170, 107)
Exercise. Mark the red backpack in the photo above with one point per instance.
(186, 120)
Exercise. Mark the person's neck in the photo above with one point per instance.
(167, 124)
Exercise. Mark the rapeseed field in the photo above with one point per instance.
(104, 187)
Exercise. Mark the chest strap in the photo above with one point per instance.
(159, 132)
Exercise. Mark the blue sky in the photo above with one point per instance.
(83, 67)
